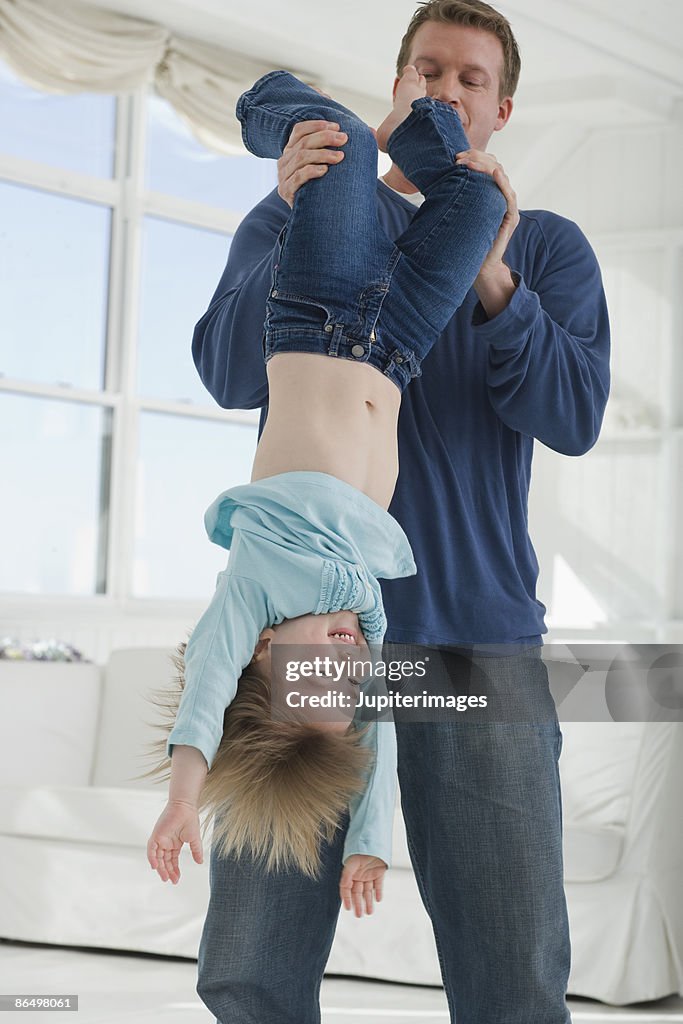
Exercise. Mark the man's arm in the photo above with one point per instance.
(227, 342)
(548, 349)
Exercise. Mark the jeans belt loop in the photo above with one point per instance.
(336, 340)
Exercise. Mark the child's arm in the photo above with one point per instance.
(179, 821)
(367, 848)
(372, 811)
(361, 881)
(220, 647)
(188, 771)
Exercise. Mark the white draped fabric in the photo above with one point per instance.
(65, 46)
(203, 84)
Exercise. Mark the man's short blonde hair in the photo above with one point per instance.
(276, 788)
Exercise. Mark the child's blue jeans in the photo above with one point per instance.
(342, 287)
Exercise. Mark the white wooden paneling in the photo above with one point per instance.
(609, 517)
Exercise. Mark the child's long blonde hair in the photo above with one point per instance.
(276, 788)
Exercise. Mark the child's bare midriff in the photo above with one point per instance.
(331, 416)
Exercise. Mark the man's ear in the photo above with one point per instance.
(393, 91)
(262, 648)
(504, 113)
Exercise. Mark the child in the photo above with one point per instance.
(310, 534)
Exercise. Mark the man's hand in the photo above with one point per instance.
(361, 879)
(305, 157)
(177, 824)
(478, 160)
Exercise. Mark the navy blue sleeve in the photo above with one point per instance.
(227, 342)
(548, 360)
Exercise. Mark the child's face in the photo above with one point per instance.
(331, 644)
(338, 629)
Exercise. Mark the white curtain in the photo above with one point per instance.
(66, 46)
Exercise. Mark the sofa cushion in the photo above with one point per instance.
(116, 817)
(48, 722)
(591, 854)
(128, 720)
(598, 766)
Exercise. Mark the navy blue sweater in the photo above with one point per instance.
(539, 369)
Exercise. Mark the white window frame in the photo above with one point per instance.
(130, 201)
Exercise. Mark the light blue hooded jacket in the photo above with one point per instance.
(300, 543)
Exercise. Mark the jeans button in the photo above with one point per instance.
(273, 295)
(399, 359)
(357, 351)
(329, 328)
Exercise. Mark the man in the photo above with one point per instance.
(526, 356)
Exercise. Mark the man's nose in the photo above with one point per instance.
(447, 89)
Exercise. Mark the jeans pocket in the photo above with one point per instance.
(296, 311)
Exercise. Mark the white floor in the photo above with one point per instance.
(122, 989)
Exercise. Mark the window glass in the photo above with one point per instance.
(53, 517)
(54, 259)
(183, 464)
(181, 267)
(179, 165)
(74, 131)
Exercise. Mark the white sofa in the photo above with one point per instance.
(74, 827)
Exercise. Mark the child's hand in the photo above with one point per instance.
(178, 824)
(361, 878)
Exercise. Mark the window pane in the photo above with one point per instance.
(54, 256)
(181, 166)
(183, 465)
(52, 531)
(74, 131)
(181, 267)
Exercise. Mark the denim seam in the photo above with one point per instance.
(389, 271)
(294, 332)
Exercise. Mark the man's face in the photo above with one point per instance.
(462, 66)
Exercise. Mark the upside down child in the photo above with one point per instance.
(349, 319)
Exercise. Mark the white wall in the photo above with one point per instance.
(606, 525)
